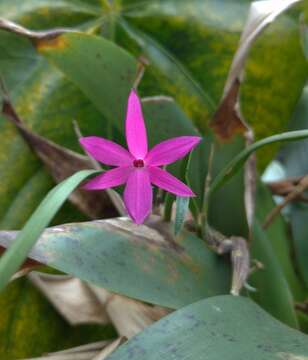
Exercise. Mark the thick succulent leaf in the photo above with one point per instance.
(222, 327)
(136, 261)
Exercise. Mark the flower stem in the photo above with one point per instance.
(168, 207)
(203, 219)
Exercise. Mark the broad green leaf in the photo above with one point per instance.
(50, 13)
(30, 326)
(110, 70)
(170, 67)
(272, 289)
(17, 253)
(222, 327)
(36, 98)
(226, 207)
(137, 261)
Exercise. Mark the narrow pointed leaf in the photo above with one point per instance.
(14, 257)
(182, 205)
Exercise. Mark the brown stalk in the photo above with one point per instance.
(10, 26)
(294, 194)
(240, 258)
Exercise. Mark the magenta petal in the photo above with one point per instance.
(136, 135)
(138, 195)
(171, 150)
(110, 178)
(106, 151)
(168, 182)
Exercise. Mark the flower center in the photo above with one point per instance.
(138, 163)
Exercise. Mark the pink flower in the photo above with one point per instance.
(138, 167)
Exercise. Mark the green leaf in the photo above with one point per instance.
(16, 214)
(40, 14)
(272, 289)
(222, 327)
(17, 253)
(182, 205)
(172, 69)
(110, 70)
(37, 96)
(237, 162)
(279, 239)
(298, 218)
(294, 160)
(138, 261)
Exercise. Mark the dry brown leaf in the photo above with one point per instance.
(227, 121)
(237, 247)
(95, 351)
(10, 26)
(72, 298)
(110, 348)
(261, 14)
(80, 303)
(128, 316)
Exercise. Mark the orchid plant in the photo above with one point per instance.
(138, 167)
(205, 71)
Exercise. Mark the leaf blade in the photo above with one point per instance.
(14, 257)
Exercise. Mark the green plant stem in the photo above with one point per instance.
(237, 162)
(203, 222)
(168, 207)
